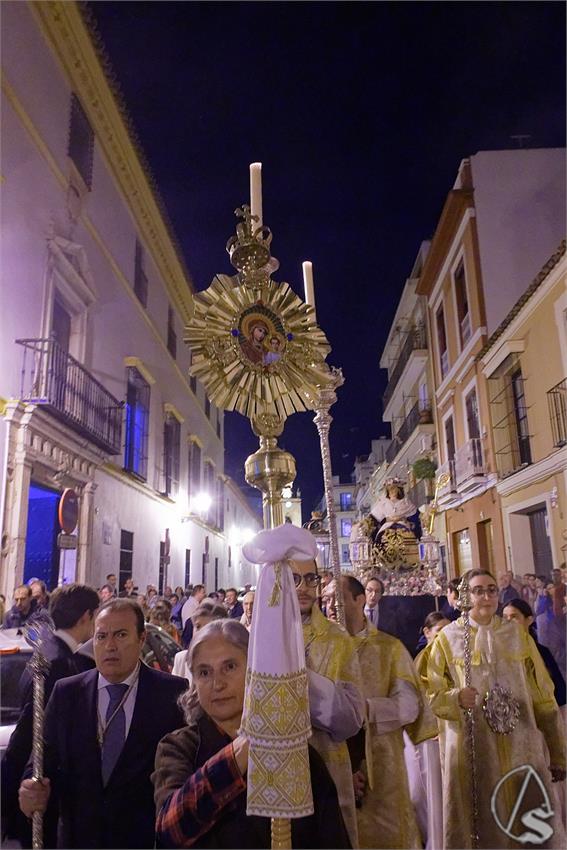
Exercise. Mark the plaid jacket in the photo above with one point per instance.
(201, 794)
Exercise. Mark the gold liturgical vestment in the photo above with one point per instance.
(502, 653)
(386, 818)
(331, 652)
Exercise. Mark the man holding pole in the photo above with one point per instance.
(335, 685)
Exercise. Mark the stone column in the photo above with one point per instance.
(18, 478)
(85, 542)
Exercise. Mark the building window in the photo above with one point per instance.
(346, 527)
(171, 444)
(463, 314)
(219, 424)
(209, 488)
(207, 407)
(126, 557)
(194, 473)
(521, 416)
(471, 409)
(449, 438)
(345, 501)
(81, 142)
(345, 554)
(220, 503)
(192, 378)
(463, 551)
(137, 424)
(187, 567)
(140, 279)
(442, 341)
(171, 335)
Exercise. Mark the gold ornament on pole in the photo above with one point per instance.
(257, 349)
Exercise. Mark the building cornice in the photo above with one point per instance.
(68, 36)
(457, 203)
(535, 472)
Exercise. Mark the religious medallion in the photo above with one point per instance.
(501, 710)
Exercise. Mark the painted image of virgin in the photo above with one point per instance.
(253, 345)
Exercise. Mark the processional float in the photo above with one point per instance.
(257, 349)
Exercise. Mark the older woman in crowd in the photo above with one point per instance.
(200, 775)
(248, 605)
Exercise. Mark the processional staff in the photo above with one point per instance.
(39, 667)
(257, 349)
(464, 605)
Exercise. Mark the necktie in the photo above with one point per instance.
(115, 733)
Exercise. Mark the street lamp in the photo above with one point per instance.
(201, 503)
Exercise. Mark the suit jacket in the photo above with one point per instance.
(120, 814)
(63, 662)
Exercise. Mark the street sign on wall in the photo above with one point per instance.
(68, 511)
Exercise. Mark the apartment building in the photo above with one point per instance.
(345, 515)
(500, 222)
(525, 364)
(95, 397)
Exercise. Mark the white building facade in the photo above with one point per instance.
(95, 393)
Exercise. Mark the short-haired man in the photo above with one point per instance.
(197, 595)
(233, 606)
(335, 688)
(374, 591)
(106, 594)
(394, 701)
(507, 590)
(336, 703)
(102, 729)
(129, 591)
(449, 609)
(72, 609)
(40, 594)
(22, 610)
(529, 590)
(112, 582)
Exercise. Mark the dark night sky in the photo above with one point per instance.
(360, 114)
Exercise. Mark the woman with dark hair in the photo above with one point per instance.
(543, 611)
(432, 625)
(521, 612)
(200, 775)
(511, 697)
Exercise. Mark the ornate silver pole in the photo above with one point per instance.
(39, 666)
(327, 397)
(465, 606)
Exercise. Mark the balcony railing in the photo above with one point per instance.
(419, 414)
(54, 379)
(415, 340)
(469, 462)
(557, 401)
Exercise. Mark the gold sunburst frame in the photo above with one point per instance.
(281, 369)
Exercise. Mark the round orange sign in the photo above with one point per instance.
(68, 511)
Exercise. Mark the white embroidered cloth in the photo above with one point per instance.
(276, 717)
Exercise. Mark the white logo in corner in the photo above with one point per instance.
(537, 830)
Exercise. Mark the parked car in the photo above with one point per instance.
(158, 651)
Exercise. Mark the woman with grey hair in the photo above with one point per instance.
(200, 770)
(205, 613)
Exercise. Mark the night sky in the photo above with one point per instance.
(360, 114)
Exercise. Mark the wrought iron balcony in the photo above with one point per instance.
(55, 380)
(557, 401)
(469, 463)
(419, 414)
(416, 340)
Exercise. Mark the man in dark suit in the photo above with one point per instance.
(102, 729)
(72, 609)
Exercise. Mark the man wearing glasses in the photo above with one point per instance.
(507, 673)
(335, 685)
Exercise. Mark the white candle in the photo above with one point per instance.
(256, 192)
(308, 283)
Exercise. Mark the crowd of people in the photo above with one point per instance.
(390, 753)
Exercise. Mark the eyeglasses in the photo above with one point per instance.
(491, 590)
(310, 579)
